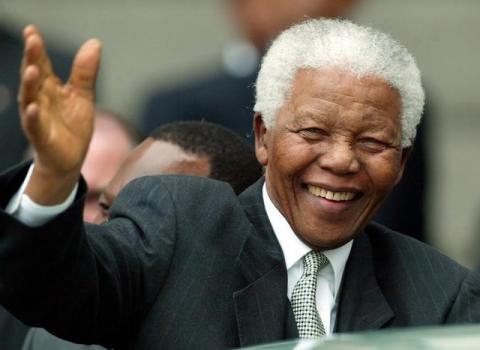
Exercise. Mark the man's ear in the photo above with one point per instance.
(261, 149)
(405, 155)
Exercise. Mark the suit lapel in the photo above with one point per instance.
(362, 305)
(262, 308)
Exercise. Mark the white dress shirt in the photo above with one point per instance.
(30, 213)
(328, 281)
(329, 278)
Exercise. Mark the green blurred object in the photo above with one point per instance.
(431, 338)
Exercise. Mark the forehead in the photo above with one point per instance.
(330, 92)
(108, 149)
(155, 157)
(338, 84)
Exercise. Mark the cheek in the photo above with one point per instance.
(294, 158)
(383, 172)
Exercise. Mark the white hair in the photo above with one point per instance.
(335, 43)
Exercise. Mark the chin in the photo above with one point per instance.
(327, 240)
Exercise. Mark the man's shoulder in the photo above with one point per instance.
(194, 196)
(421, 285)
(186, 207)
(183, 190)
(398, 252)
(185, 184)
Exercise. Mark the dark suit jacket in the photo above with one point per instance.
(12, 331)
(185, 264)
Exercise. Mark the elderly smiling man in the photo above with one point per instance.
(184, 263)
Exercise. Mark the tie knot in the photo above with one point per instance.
(313, 262)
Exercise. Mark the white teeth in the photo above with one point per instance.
(330, 195)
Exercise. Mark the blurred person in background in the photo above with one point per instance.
(227, 97)
(113, 138)
(188, 148)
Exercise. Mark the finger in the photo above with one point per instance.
(29, 86)
(30, 122)
(36, 125)
(29, 30)
(36, 66)
(35, 51)
(29, 72)
(85, 67)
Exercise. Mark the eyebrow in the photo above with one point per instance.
(304, 115)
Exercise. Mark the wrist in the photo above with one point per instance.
(47, 187)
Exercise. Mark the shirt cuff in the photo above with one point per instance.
(32, 214)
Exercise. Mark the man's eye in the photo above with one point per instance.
(372, 145)
(105, 207)
(313, 133)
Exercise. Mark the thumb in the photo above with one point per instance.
(85, 67)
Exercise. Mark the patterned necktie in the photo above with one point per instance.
(309, 323)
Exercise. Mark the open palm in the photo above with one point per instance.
(57, 117)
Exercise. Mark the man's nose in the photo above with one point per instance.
(339, 157)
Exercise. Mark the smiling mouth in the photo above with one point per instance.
(331, 195)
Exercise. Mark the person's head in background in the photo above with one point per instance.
(261, 21)
(189, 148)
(112, 140)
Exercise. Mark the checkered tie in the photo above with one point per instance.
(309, 323)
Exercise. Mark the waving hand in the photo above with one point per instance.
(57, 117)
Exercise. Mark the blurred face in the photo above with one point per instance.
(262, 20)
(333, 154)
(151, 157)
(108, 149)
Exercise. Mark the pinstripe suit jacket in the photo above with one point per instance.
(185, 264)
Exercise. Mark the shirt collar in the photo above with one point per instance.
(294, 249)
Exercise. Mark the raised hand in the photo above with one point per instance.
(57, 118)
